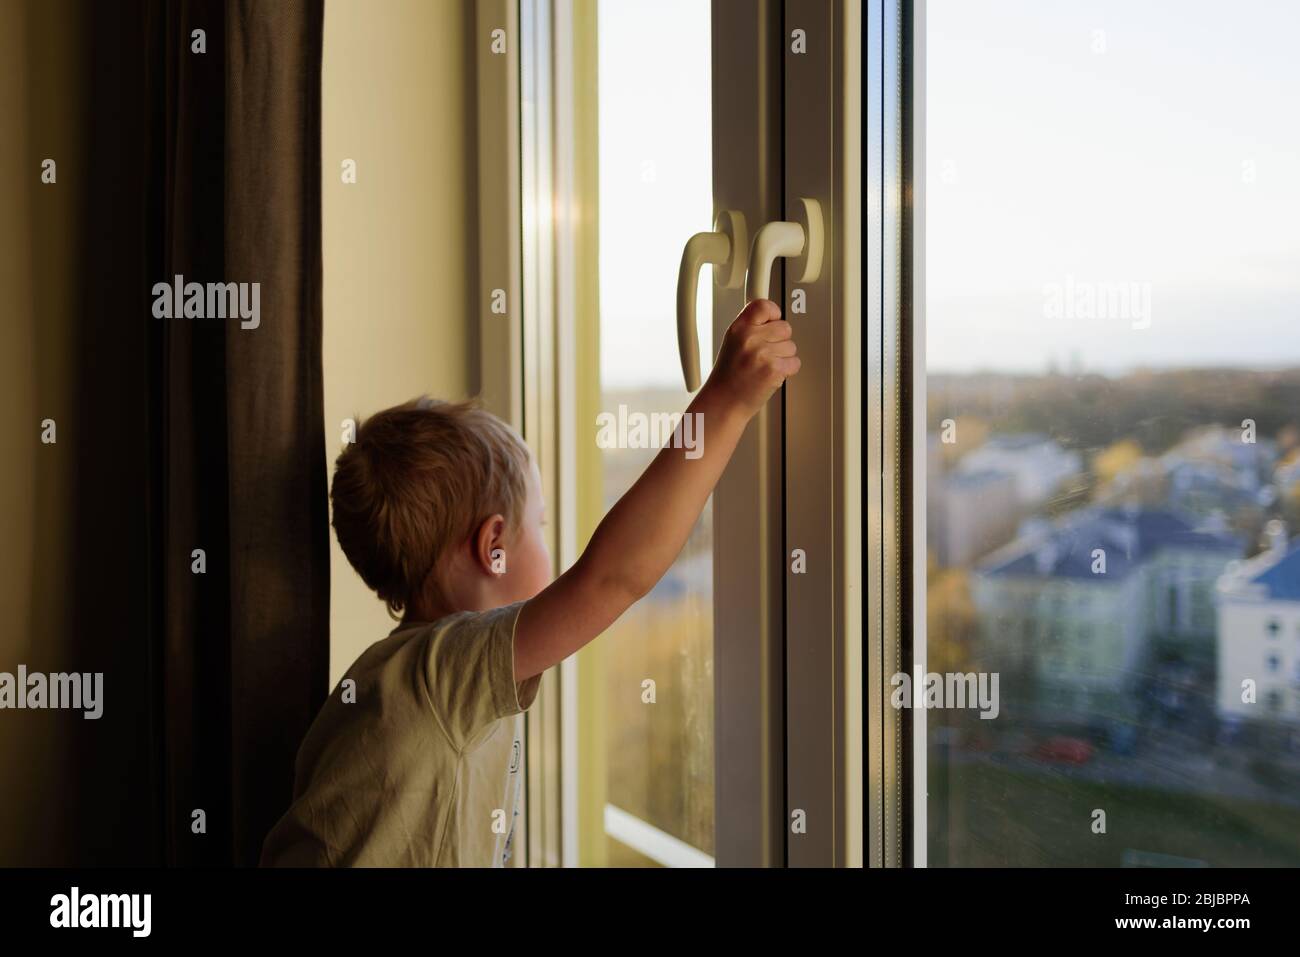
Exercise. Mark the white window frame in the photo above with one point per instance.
(756, 826)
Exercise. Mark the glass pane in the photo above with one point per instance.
(655, 192)
(1113, 405)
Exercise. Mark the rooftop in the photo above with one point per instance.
(977, 478)
(1269, 575)
(1130, 536)
(1016, 440)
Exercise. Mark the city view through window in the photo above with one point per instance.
(1113, 433)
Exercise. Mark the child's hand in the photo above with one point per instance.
(757, 356)
(646, 529)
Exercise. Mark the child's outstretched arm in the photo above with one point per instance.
(643, 533)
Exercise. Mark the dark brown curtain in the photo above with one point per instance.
(196, 433)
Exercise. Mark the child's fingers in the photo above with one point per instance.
(787, 367)
(777, 330)
(760, 311)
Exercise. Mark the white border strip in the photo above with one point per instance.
(644, 838)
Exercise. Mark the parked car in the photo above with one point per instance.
(1063, 750)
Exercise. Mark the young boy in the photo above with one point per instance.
(415, 759)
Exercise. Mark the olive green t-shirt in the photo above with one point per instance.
(421, 763)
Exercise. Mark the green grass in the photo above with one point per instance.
(982, 815)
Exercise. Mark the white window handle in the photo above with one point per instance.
(802, 240)
(725, 249)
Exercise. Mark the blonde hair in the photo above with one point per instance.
(419, 478)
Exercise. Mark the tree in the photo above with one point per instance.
(1115, 460)
(953, 620)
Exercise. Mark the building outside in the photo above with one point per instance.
(1259, 635)
(1250, 461)
(969, 514)
(1093, 609)
(1037, 463)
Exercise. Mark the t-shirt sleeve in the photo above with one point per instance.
(470, 673)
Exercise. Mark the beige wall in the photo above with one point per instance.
(400, 245)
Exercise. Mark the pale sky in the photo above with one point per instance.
(656, 182)
(1170, 160)
(1046, 160)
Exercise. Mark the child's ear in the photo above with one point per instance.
(489, 545)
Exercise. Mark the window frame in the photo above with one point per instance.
(895, 428)
(567, 816)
